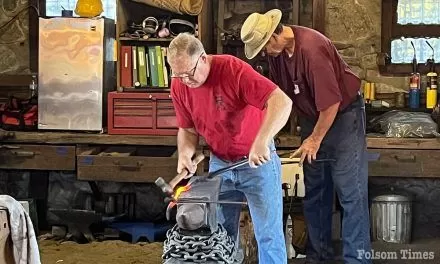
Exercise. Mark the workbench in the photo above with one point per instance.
(143, 158)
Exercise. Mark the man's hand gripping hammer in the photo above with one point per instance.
(168, 188)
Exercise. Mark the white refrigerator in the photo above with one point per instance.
(76, 70)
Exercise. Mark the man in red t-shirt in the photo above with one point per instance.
(238, 112)
(325, 94)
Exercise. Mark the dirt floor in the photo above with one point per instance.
(105, 252)
(119, 252)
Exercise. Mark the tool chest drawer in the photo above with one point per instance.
(37, 157)
(141, 113)
(403, 162)
(127, 164)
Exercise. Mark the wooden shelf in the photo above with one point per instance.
(387, 109)
(129, 12)
(146, 90)
(283, 140)
(146, 40)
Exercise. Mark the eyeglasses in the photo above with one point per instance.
(190, 73)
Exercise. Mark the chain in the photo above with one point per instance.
(217, 246)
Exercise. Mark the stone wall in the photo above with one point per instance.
(14, 44)
(355, 28)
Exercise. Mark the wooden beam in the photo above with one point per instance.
(414, 31)
(220, 25)
(33, 32)
(15, 80)
(72, 138)
(404, 69)
(205, 22)
(296, 9)
(318, 16)
(387, 26)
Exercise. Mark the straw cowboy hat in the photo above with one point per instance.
(257, 30)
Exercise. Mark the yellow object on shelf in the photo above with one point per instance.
(369, 91)
(372, 92)
(431, 98)
(88, 8)
(367, 88)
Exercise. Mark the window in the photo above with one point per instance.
(54, 7)
(406, 23)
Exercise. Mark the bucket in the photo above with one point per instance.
(391, 218)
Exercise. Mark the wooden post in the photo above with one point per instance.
(247, 237)
(318, 16)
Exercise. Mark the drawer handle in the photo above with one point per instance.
(126, 167)
(27, 154)
(406, 158)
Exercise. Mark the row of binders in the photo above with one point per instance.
(144, 66)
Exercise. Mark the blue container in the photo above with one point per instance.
(414, 98)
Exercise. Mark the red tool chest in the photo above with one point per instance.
(146, 113)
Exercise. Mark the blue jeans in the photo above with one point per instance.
(348, 176)
(261, 187)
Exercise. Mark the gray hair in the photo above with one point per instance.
(185, 44)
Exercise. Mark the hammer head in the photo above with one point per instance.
(164, 186)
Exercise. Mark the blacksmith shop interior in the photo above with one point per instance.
(219, 131)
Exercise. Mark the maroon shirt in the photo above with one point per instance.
(316, 76)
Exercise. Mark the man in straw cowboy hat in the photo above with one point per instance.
(325, 94)
(238, 112)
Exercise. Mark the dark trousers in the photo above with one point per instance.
(348, 176)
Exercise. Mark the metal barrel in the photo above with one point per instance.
(391, 218)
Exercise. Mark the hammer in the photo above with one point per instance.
(168, 188)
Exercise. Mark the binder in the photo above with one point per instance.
(134, 64)
(147, 67)
(165, 69)
(153, 66)
(142, 71)
(160, 66)
(125, 66)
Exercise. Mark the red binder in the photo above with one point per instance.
(126, 66)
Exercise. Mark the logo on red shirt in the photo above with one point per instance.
(219, 102)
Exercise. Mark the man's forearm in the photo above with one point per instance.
(187, 141)
(325, 121)
(278, 111)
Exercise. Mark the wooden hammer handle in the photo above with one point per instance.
(185, 172)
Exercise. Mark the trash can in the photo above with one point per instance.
(391, 218)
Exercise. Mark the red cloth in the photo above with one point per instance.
(228, 109)
(316, 76)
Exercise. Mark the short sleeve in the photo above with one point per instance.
(253, 87)
(321, 76)
(183, 116)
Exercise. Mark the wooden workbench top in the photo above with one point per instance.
(74, 138)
